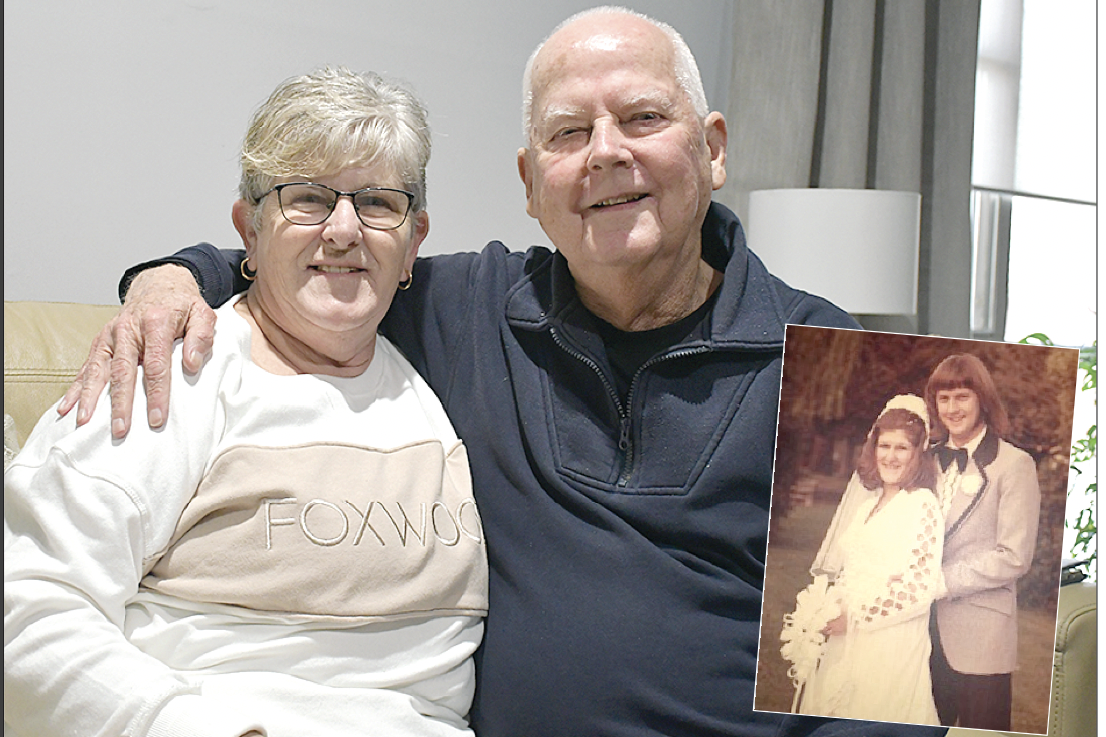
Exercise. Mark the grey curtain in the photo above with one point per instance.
(864, 94)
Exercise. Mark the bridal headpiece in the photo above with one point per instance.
(911, 403)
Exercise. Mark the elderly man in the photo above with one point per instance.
(618, 397)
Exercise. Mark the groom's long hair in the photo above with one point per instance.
(965, 371)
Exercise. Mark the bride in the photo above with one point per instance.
(875, 663)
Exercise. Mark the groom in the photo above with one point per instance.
(991, 500)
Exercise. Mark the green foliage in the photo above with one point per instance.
(1084, 449)
(1088, 361)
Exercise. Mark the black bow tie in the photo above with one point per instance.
(945, 455)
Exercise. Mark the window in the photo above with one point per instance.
(1033, 171)
(1033, 179)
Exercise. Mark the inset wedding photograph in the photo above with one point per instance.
(916, 537)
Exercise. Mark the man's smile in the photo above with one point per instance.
(620, 200)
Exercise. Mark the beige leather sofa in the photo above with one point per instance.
(45, 343)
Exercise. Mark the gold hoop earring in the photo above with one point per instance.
(406, 284)
(247, 273)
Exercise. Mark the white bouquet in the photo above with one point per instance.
(803, 641)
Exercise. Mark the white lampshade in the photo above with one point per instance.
(858, 248)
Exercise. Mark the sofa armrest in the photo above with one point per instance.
(45, 344)
(1075, 668)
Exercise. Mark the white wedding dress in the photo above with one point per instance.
(891, 572)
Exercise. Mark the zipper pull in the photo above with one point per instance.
(624, 434)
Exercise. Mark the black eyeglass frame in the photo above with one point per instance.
(339, 194)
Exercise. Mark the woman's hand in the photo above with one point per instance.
(835, 626)
(163, 304)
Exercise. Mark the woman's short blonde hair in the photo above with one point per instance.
(333, 119)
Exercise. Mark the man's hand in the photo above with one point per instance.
(163, 304)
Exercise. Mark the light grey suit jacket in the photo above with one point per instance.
(990, 536)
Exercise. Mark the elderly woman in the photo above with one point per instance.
(876, 659)
(297, 551)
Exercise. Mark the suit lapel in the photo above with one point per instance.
(983, 457)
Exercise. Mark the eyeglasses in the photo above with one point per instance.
(307, 203)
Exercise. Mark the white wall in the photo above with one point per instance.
(122, 119)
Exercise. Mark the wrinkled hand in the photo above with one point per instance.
(835, 626)
(163, 304)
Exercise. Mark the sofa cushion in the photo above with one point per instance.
(45, 344)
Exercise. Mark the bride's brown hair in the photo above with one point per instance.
(921, 473)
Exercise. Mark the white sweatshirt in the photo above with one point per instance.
(298, 555)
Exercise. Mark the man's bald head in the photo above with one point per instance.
(587, 26)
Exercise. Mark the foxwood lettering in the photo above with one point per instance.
(326, 524)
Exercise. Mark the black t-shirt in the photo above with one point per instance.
(628, 351)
